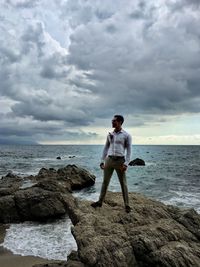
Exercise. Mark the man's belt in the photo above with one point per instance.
(116, 157)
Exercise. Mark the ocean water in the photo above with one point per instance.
(171, 175)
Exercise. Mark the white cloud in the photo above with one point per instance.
(76, 63)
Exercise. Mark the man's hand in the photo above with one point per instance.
(123, 168)
(102, 165)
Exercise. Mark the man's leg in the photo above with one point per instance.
(108, 171)
(122, 178)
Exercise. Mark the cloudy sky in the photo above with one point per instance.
(66, 66)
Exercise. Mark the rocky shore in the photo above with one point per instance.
(40, 197)
(152, 235)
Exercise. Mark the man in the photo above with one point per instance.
(113, 158)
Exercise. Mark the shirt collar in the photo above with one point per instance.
(118, 132)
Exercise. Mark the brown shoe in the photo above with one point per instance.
(96, 204)
(128, 209)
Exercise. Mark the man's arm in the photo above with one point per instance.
(128, 150)
(105, 150)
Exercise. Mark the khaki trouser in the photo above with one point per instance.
(110, 166)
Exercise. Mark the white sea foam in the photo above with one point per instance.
(44, 159)
(51, 240)
(185, 199)
(27, 184)
(83, 195)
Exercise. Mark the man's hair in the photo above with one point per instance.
(119, 118)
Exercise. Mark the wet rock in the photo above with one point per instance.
(44, 199)
(78, 178)
(37, 204)
(137, 162)
(70, 177)
(10, 182)
(7, 191)
(58, 158)
(8, 210)
(153, 234)
(3, 228)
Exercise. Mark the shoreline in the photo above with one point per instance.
(8, 259)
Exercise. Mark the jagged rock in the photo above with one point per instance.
(10, 183)
(153, 234)
(37, 204)
(137, 162)
(46, 173)
(71, 177)
(33, 204)
(3, 228)
(54, 185)
(7, 191)
(8, 210)
(44, 199)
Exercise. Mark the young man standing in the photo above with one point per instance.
(114, 158)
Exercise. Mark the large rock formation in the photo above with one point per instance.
(152, 235)
(44, 199)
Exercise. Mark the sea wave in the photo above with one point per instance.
(51, 240)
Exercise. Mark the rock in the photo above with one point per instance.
(70, 177)
(58, 158)
(3, 228)
(153, 234)
(7, 191)
(78, 178)
(45, 173)
(137, 162)
(10, 182)
(36, 204)
(8, 210)
(44, 199)
(54, 185)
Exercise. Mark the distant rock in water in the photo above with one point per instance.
(46, 198)
(137, 162)
(71, 157)
(58, 158)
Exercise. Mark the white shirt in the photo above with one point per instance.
(116, 145)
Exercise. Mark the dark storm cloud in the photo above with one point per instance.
(147, 65)
(140, 59)
(33, 36)
(8, 56)
(51, 113)
(55, 67)
(181, 4)
(22, 3)
(14, 130)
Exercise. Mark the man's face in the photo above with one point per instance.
(115, 123)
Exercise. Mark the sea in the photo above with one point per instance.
(171, 175)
